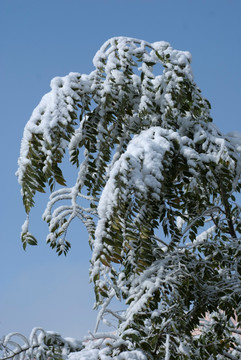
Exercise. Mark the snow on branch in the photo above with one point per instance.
(41, 344)
(156, 189)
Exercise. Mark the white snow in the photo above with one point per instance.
(140, 121)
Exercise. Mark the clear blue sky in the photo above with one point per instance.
(47, 38)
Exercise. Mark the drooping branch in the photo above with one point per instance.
(151, 159)
(41, 343)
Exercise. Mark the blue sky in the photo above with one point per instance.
(47, 38)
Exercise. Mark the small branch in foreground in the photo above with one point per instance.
(102, 335)
(115, 315)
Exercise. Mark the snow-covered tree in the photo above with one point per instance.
(155, 189)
